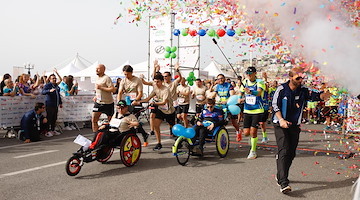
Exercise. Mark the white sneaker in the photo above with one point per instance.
(67, 128)
(49, 134)
(264, 140)
(252, 155)
(72, 127)
(56, 133)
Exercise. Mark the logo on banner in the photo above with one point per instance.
(159, 49)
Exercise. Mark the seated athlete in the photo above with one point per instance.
(209, 118)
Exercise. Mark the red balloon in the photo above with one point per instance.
(221, 32)
(193, 32)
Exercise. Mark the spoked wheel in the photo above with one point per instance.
(73, 166)
(222, 142)
(104, 154)
(183, 152)
(130, 149)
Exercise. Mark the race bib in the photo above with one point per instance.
(132, 95)
(251, 100)
(114, 122)
(98, 97)
(181, 100)
(164, 107)
(200, 97)
(175, 103)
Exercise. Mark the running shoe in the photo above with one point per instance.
(67, 128)
(285, 189)
(157, 147)
(56, 133)
(146, 137)
(252, 155)
(145, 144)
(152, 133)
(49, 134)
(264, 140)
(72, 127)
(238, 135)
(327, 128)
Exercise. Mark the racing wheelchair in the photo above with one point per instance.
(185, 143)
(108, 139)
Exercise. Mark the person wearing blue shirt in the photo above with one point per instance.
(33, 123)
(209, 118)
(224, 90)
(52, 102)
(288, 105)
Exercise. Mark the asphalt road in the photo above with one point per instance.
(37, 171)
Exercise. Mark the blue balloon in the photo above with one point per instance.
(230, 32)
(176, 32)
(234, 109)
(178, 129)
(202, 32)
(189, 133)
(233, 100)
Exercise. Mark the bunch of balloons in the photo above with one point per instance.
(210, 32)
(180, 130)
(231, 103)
(191, 78)
(170, 52)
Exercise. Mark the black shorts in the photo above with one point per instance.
(199, 108)
(182, 109)
(108, 109)
(169, 118)
(264, 116)
(153, 108)
(252, 120)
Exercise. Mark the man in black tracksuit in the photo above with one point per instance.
(288, 104)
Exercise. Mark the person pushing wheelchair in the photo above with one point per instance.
(209, 118)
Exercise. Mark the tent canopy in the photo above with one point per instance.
(89, 71)
(69, 69)
(117, 71)
(214, 70)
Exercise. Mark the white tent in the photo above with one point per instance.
(79, 63)
(117, 71)
(69, 69)
(89, 71)
(214, 70)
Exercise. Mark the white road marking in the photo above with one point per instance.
(31, 169)
(34, 154)
(55, 164)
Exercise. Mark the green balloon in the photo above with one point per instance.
(167, 55)
(173, 49)
(191, 74)
(184, 32)
(168, 49)
(211, 32)
(173, 55)
(191, 83)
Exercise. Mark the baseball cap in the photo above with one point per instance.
(121, 103)
(251, 70)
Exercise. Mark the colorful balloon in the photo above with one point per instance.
(173, 55)
(233, 100)
(178, 129)
(185, 32)
(202, 32)
(189, 133)
(234, 109)
(230, 32)
(220, 32)
(167, 55)
(176, 32)
(168, 49)
(173, 49)
(193, 32)
(211, 33)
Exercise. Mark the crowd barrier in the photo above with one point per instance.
(75, 109)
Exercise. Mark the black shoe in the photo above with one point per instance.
(152, 133)
(285, 189)
(146, 137)
(157, 147)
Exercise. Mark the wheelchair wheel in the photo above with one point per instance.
(104, 154)
(73, 166)
(130, 149)
(183, 152)
(222, 142)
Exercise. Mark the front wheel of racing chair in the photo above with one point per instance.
(222, 141)
(181, 150)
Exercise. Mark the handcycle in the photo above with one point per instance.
(185, 143)
(128, 143)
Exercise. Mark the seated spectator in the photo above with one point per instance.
(33, 123)
(10, 89)
(2, 84)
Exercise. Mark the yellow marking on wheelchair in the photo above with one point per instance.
(128, 144)
(135, 155)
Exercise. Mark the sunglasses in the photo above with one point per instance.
(209, 106)
(298, 78)
(248, 73)
(165, 76)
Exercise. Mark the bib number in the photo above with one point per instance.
(164, 107)
(131, 95)
(251, 100)
(181, 100)
(114, 122)
(200, 97)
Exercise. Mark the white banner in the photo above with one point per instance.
(75, 109)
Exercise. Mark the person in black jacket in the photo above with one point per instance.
(52, 102)
(288, 104)
(33, 123)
